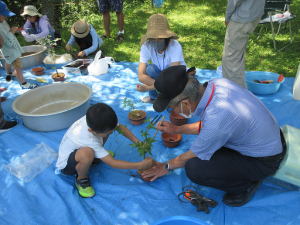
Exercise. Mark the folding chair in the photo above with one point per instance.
(276, 6)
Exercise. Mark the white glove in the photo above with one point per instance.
(31, 37)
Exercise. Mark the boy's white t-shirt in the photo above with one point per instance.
(173, 53)
(78, 137)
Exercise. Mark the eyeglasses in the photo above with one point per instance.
(169, 110)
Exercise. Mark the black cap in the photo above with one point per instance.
(168, 84)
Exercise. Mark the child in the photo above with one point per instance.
(38, 26)
(83, 143)
(86, 37)
(11, 49)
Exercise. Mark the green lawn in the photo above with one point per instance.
(200, 26)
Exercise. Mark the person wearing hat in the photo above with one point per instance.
(11, 49)
(37, 26)
(85, 36)
(160, 46)
(238, 143)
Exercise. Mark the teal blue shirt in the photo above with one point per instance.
(11, 49)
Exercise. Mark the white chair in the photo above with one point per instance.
(289, 169)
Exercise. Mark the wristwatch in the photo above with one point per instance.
(167, 166)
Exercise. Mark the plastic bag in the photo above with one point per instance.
(98, 66)
(62, 59)
(32, 163)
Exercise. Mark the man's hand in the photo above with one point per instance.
(156, 171)
(146, 163)
(14, 30)
(81, 54)
(166, 127)
(226, 23)
(1, 41)
(68, 47)
(142, 88)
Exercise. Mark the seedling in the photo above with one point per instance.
(145, 145)
(128, 102)
(50, 44)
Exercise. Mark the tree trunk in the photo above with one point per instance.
(48, 9)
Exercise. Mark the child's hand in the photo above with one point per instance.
(81, 54)
(68, 47)
(14, 30)
(147, 163)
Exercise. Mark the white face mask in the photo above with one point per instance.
(182, 114)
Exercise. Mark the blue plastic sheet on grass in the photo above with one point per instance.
(121, 196)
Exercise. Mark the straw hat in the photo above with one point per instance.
(30, 10)
(80, 28)
(158, 27)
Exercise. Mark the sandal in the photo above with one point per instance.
(120, 37)
(104, 36)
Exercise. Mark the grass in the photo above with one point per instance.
(200, 26)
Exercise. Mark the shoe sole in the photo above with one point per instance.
(249, 197)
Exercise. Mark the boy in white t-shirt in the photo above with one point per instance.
(83, 143)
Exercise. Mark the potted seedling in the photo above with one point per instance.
(46, 41)
(144, 147)
(135, 116)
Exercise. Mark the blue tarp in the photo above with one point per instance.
(121, 196)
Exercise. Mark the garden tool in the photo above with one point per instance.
(280, 78)
(159, 125)
(263, 81)
(196, 199)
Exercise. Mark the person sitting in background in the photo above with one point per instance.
(86, 37)
(11, 49)
(37, 26)
(159, 46)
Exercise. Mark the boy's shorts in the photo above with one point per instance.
(17, 63)
(106, 5)
(71, 164)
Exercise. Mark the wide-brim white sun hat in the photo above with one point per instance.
(30, 10)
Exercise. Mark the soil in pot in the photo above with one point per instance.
(38, 71)
(137, 117)
(27, 53)
(178, 119)
(171, 140)
(58, 76)
(140, 171)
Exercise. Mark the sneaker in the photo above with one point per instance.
(96, 161)
(29, 86)
(12, 74)
(85, 188)
(8, 125)
(148, 100)
(3, 99)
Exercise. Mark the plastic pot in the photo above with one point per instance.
(58, 77)
(38, 71)
(178, 119)
(171, 140)
(138, 117)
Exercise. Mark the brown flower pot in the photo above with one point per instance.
(38, 71)
(58, 77)
(140, 171)
(178, 119)
(137, 117)
(171, 140)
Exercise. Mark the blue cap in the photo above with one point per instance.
(4, 10)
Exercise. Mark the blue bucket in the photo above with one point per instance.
(262, 89)
(179, 220)
(158, 3)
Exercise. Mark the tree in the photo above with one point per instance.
(48, 9)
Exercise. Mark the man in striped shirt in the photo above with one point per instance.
(238, 144)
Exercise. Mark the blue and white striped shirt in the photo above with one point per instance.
(235, 119)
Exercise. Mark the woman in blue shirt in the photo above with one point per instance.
(85, 36)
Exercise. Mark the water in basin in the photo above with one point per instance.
(54, 107)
